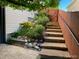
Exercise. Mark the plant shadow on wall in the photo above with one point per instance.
(31, 32)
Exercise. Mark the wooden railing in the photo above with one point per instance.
(67, 26)
(71, 39)
(70, 29)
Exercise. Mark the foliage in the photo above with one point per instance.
(15, 34)
(35, 32)
(26, 24)
(32, 32)
(30, 4)
(39, 29)
(23, 31)
(42, 19)
(24, 27)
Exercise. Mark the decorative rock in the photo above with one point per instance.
(37, 48)
(29, 45)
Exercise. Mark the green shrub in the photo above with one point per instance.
(39, 28)
(24, 27)
(35, 32)
(32, 30)
(23, 31)
(15, 34)
(26, 24)
(42, 19)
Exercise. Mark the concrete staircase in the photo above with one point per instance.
(54, 46)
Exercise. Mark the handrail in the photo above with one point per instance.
(69, 30)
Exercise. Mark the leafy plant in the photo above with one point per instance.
(42, 19)
(24, 28)
(30, 4)
(35, 32)
(15, 34)
(26, 24)
(39, 29)
(31, 32)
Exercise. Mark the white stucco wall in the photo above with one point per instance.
(74, 6)
(14, 17)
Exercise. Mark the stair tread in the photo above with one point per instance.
(54, 33)
(54, 29)
(56, 38)
(58, 45)
(55, 48)
(49, 23)
(51, 52)
(53, 24)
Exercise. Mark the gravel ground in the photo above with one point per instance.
(15, 52)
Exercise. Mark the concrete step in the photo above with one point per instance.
(53, 30)
(57, 46)
(54, 54)
(53, 34)
(54, 39)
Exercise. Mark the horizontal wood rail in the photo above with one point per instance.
(67, 26)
